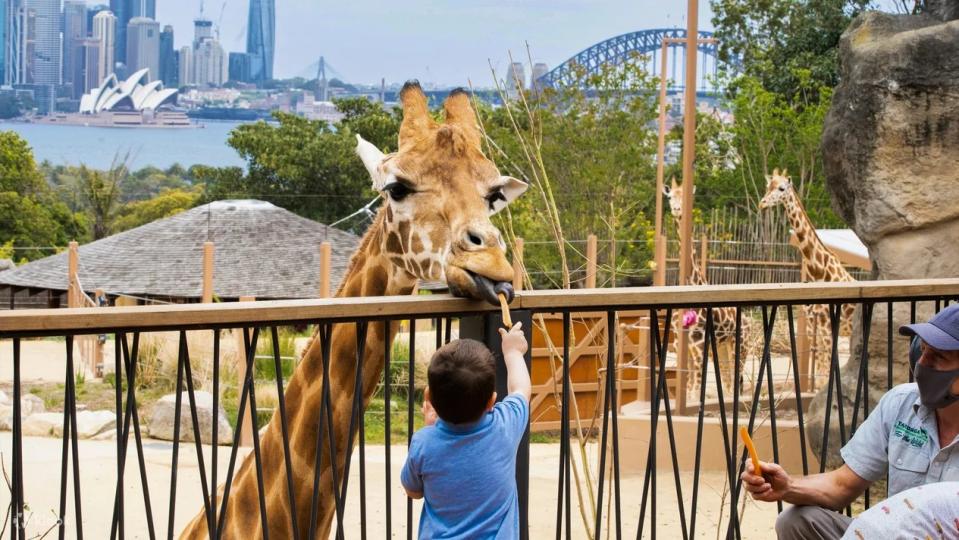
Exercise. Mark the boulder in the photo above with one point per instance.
(29, 404)
(90, 424)
(890, 157)
(42, 424)
(163, 415)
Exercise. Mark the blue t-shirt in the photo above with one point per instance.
(467, 474)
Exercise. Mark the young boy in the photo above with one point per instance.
(464, 461)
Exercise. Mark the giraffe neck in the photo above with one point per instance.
(816, 257)
(696, 276)
(370, 274)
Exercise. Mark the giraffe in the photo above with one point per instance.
(440, 192)
(818, 264)
(724, 319)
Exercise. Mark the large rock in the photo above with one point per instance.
(29, 404)
(42, 424)
(162, 419)
(891, 151)
(90, 424)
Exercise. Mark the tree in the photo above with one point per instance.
(18, 170)
(101, 192)
(308, 167)
(168, 203)
(589, 158)
(775, 40)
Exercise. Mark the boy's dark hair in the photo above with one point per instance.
(462, 377)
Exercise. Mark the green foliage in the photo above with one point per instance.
(592, 152)
(775, 39)
(18, 170)
(308, 167)
(100, 191)
(166, 204)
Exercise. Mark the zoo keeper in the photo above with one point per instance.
(912, 435)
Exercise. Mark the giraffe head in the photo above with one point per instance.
(778, 189)
(440, 192)
(674, 195)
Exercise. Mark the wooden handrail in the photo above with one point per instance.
(234, 314)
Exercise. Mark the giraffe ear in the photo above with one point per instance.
(372, 158)
(512, 189)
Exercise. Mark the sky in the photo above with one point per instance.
(446, 42)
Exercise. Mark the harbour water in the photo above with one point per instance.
(98, 147)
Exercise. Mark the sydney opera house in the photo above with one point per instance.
(129, 95)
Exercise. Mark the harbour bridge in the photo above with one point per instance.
(619, 49)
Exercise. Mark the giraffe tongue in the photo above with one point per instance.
(488, 290)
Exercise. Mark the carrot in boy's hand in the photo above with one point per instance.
(504, 307)
(747, 440)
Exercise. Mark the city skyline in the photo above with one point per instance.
(364, 41)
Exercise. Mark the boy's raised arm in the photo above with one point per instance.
(514, 349)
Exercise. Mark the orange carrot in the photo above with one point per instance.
(744, 434)
(504, 307)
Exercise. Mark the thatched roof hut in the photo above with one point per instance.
(261, 250)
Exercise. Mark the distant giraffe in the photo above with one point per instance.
(440, 192)
(818, 264)
(724, 319)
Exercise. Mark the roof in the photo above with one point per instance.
(845, 245)
(261, 250)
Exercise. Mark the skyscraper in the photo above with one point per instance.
(210, 64)
(92, 12)
(43, 50)
(74, 32)
(124, 10)
(185, 75)
(516, 78)
(240, 67)
(5, 34)
(91, 64)
(261, 39)
(168, 71)
(143, 46)
(202, 29)
(143, 8)
(539, 69)
(105, 31)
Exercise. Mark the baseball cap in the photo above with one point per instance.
(941, 332)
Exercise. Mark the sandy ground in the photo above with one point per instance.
(98, 485)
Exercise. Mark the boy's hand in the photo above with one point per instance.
(429, 415)
(514, 341)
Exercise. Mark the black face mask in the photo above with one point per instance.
(935, 387)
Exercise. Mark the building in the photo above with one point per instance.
(516, 78)
(5, 24)
(135, 94)
(91, 64)
(311, 109)
(144, 8)
(185, 66)
(168, 58)
(143, 46)
(123, 10)
(164, 259)
(42, 51)
(105, 32)
(240, 67)
(74, 33)
(202, 30)
(539, 69)
(261, 39)
(92, 12)
(210, 65)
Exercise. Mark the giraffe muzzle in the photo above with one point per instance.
(486, 289)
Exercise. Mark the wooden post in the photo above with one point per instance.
(207, 272)
(325, 257)
(591, 261)
(246, 432)
(518, 269)
(659, 276)
(73, 265)
(703, 255)
(689, 183)
(807, 379)
(97, 344)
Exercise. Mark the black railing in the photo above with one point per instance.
(613, 502)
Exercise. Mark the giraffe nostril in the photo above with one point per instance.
(474, 239)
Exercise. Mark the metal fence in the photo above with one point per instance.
(354, 500)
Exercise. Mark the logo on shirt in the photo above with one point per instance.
(910, 435)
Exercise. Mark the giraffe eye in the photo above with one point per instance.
(495, 197)
(398, 191)
(782, 188)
